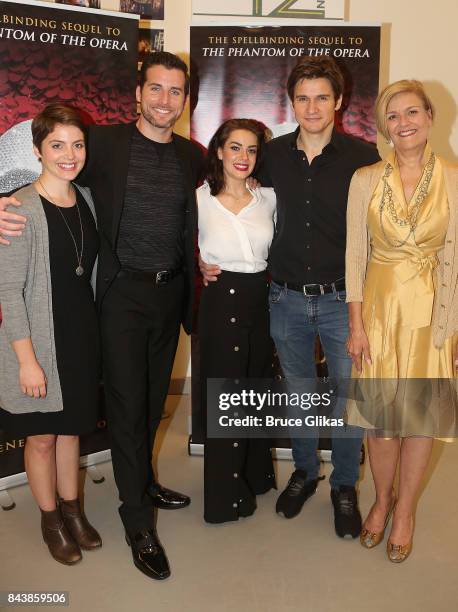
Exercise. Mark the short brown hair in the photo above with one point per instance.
(45, 122)
(321, 67)
(167, 60)
(385, 97)
(214, 166)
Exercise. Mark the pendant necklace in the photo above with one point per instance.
(79, 270)
(411, 218)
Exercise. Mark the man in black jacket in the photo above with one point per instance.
(143, 178)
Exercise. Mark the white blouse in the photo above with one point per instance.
(237, 243)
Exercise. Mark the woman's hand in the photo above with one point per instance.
(358, 349)
(357, 342)
(32, 379)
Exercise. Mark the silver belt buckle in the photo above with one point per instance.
(304, 290)
(162, 277)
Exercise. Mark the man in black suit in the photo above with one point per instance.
(143, 179)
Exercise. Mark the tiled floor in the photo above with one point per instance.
(261, 564)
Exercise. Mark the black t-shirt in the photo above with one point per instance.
(153, 217)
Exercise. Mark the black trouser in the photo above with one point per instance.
(140, 324)
(235, 342)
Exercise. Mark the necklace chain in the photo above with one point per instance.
(79, 256)
(411, 218)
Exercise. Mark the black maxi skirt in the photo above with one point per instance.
(235, 342)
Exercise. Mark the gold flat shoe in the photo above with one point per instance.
(397, 553)
(370, 539)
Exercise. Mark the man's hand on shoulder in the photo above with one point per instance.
(11, 224)
(253, 183)
(209, 272)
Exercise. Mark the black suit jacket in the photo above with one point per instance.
(106, 175)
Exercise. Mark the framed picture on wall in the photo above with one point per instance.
(147, 9)
(93, 4)
(149, 41)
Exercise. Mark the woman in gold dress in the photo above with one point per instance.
(401, 278)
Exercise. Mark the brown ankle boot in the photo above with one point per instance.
(61, 544)
(78, 525)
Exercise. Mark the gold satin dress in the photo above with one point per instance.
(409, 389)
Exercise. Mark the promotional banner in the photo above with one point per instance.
(50, 53)
(241, 71)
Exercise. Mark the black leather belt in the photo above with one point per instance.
(159, 278)
(314, 289)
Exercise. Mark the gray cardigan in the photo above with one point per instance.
(26, 302)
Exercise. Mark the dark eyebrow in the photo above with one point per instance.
(63, 141)
(240, 144)
(304, 95)
(160, 85)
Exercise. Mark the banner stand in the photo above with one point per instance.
(196, 449)
(96, 69)
(6, 502)
(241, 71)
(15, 480)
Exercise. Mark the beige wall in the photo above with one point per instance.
(419, 40)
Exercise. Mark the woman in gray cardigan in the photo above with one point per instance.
(49, 342)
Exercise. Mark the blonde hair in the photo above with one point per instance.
(385, 97)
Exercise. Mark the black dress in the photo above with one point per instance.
(235, 343)
(76, 330)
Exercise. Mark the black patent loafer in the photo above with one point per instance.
(148, 555)
(166, 499)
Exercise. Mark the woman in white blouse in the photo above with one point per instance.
(236, 226)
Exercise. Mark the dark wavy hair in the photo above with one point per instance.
(167, 60)
(214, 166)
(321, 67)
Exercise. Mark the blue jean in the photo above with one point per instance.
(295, 321)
